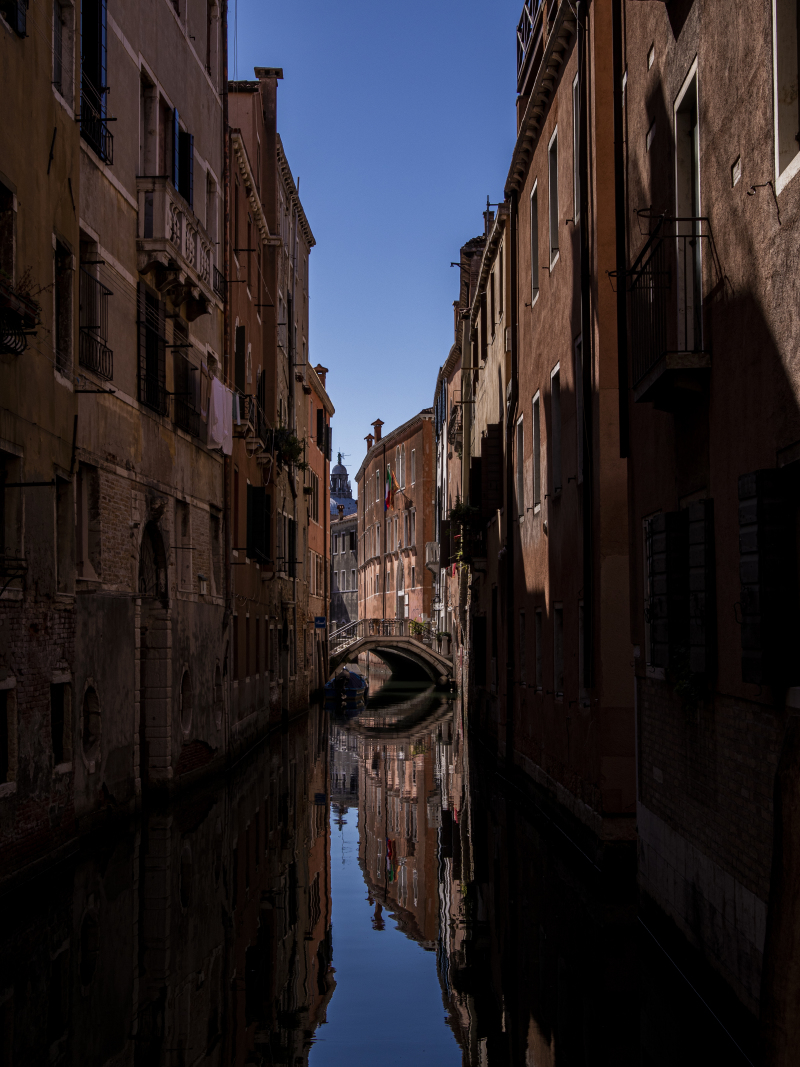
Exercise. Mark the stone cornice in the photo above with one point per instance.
(294, 196)
(243, 163)
(554, 58)
(487, 261)
(316, 384)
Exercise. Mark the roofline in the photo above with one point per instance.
(426, 415)
(243, 159)
(294, 196)
(487, 260)
(554, 58)
(319, 388)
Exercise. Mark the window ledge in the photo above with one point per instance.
(62, 768)
(7, 789)
(555, 260)
(62, 100)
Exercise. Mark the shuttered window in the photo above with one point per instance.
(258, 524)
(152, 344)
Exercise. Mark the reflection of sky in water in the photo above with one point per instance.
(387, 1008)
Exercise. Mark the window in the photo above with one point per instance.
(8, 732)
(377, 486)
(15, 12)
(555, 427)
(184, 546)
(8, 215)
(552, 169)
(579, 413)
(538, 637)
(413, 466)
(413, 540)
(314, 496)
(60, 722)
(235, 649)
(62, 308)
(93, 351)
(413, 577)
(236, 544)
(352, 579)
(405, 530)
(787, 89)
(536, 456)
(520, 469)
(94, 79)
(215, 536)
(500, 282)
(558, 651)
(152, 350)
(492, 307)
(320, 429)
(534, 244)
(62, 50)
(576, 150)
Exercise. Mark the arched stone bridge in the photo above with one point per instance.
(408, 647)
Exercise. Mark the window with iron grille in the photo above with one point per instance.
(94, 74)
(94, 353)
(152, 350)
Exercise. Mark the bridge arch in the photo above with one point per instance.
(398, 648)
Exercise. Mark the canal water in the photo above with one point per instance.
(364, 888)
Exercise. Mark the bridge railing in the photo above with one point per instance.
(420, 631)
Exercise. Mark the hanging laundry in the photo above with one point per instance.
(220, 418)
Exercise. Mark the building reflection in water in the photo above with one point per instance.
(202, 934)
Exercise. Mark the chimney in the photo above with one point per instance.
(369, 439)
(321, 372)
(377, 428)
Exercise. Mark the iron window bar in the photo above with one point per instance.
(94, 128)
(94, 353)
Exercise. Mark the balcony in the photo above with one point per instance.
(19, 316)
(172, 243)
(529, 37)
(668, 287)
(93, 351)
(252, 425)
(94, 124)
(432, 556)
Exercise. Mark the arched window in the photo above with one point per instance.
(90, 726)
(152, 563)
(186, 702)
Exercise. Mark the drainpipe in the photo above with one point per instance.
(619, 218)
(511, 418)
(227, 347)
(587, 353)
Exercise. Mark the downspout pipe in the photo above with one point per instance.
(587, 352)
(511, 418)
(619, 220)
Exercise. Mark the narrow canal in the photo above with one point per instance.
(360, 890)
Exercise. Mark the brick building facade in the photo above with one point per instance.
(392, 580)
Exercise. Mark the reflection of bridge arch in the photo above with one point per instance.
(406, 647)
(417, 721)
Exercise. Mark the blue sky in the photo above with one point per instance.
(397, 131)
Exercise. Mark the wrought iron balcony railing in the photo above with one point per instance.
(219, 282)
(668, 286)
(93, 352)
(529, 30)
(94, 125)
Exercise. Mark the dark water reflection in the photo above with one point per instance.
(359, 890)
